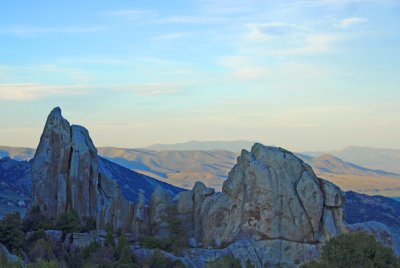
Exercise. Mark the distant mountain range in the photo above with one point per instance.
(181, 168)
(351, 177)
(17, 153)
(373, 158)
(233, 146)
(184, 167)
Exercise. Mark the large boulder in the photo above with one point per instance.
(272, 196)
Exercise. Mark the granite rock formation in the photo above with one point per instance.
(272, 199)
(272, 210)
(67, 174)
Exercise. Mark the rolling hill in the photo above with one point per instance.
(184, 167)
(233, 146)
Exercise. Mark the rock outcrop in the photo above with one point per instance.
(67, 174)
(273, 199)
(272, 210)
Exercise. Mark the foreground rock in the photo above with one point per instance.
(273, 203)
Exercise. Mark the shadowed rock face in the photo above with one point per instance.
(50, 166)
(66, 176)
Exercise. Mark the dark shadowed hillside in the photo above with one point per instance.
(15, 185)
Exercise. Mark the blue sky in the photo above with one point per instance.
(305, 75)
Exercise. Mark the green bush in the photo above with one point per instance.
(154, 243)
(124, 252)
(89, 250)
(43, 264)
(42, 250)
(11, 234)
(177, 240)
(68, 222)
(355, 250)
(229, 261)
(110, 238)
(90, 224)
(159, 260)
(179, 237)
(36, 220)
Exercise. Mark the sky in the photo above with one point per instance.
(304, 75)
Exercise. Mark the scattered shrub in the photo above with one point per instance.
(110, 238)
(89, 250)
(159, 260)
(355, 250)
(5, 263)
(11, 234)
(179, 237)
(43, 264)
(229, 261)
(155, 243)
(68, 222)
(42, 250)
(103, 257)
(90, 224)
(177, 240)
(36, 220)
(124, 252)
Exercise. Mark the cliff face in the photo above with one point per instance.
(50, 166)
(66, 176)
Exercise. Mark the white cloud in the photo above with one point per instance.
(344, 23)
(32, 91)
(340, 3)
(29, 92)
(269, 31)
(313, 44)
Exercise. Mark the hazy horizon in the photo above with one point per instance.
(303, 75)
(328, 150)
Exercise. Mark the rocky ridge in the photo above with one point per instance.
(273, 210)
